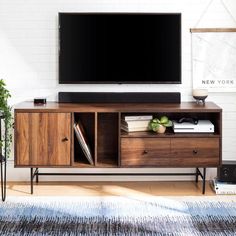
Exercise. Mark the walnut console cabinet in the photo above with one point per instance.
(44, 138)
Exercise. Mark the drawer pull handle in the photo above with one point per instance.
(194, 152)
(65, 139)
(145, 152)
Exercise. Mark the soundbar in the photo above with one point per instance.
(127, 97)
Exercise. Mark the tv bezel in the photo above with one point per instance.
(120, 82)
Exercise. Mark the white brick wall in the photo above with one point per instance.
(28, 51)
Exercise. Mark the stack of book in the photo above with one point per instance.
(135, 123)
(223, 187)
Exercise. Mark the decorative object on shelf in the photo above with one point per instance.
(40, 101)
(200, 95)
(159, 125)
(6, 136)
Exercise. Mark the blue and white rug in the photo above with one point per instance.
(21, 216)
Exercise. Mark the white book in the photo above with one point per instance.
(225, 192)
(226, 186)
(136, 123)
(223, 187)
(125, 128)
(143, 117)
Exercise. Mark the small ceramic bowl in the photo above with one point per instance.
(200, 95)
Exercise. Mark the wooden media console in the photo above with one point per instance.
(45, 138)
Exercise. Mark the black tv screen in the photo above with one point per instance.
(119, 48)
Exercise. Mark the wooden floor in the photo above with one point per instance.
(109, 189)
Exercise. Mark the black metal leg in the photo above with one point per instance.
(197, 173)
(204, 181)
(3, 166)
(37, 176)
(3, 178)
(31, 180)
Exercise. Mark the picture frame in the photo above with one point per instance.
(213, 59)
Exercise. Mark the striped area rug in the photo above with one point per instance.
(118, 216)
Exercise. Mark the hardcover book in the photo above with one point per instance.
(136, 118)
(134, 129)
(135, 123)
(223, 187)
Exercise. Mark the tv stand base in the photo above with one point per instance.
(35, 174)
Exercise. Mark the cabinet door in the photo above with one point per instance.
(43, 139)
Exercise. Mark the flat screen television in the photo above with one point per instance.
(119, 48)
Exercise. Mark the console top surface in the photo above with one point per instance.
(117, 107)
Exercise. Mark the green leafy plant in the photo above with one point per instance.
(159, 125)
(5, 110)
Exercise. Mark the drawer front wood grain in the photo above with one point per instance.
(43, 139)
(59, 139)
(195, 152)
(145, 152)
(22, 139)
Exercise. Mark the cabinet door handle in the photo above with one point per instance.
(194, 152)
(65, 139)
(145, 152)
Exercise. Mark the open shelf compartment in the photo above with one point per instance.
(107, 139)
(214, 117)
(87, 121)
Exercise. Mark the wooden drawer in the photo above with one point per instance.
(195, 152)
(146, 152)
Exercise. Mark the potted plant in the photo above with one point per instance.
(5, 112)
(159, 125)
